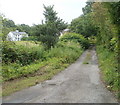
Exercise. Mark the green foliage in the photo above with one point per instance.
(14, 70)
(20, 53)
(7, 26)
(114, 8)
(8, 23)
(30, 38)
(48, 41)
(50, 14)
(49, 31)
(109, 66)
(88, 8)
(70, 51)
(84, 25)
(24, 28)
(107, 30)
(75, 38)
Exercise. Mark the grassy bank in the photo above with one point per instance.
(109, 69)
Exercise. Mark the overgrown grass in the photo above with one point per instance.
(21, 53)
(109, 68)
(29, 44)
(45, 70)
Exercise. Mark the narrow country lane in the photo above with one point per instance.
(79, 83)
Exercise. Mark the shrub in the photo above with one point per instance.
(13, 53)
(75, 38)
(67, 50)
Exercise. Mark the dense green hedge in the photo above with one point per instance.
(13, 53)
(75, 38)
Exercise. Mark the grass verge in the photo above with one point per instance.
(109, 69)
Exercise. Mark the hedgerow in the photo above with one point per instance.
(15, 53)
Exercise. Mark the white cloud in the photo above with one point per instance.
(31, 11)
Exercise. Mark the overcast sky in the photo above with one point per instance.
(31, 11)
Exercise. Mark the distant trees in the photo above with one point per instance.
(24, 28)
(7, 26)
(8, 23)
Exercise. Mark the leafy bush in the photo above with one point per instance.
(14, 53)
(109, 67)
(15, 70)
(70, 51)
(75, 38)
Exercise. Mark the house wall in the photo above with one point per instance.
(12, 37)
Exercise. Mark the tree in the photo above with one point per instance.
(107, 30)
(52, 21)
(49, 31)
(50, 14)
(88, 8)
(114, 8)
(8, 23)
(24, 28)
(84, 25)
(7, 26)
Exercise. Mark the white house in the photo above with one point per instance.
(16, 35)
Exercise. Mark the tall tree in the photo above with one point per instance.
(88, 8)
(50, 14)
(84, 25)
(52, 21)
(49, 30)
